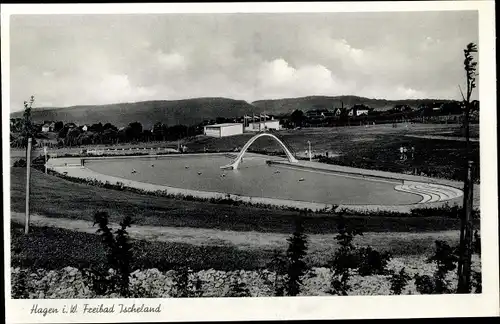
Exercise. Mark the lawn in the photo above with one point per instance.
(55, 197)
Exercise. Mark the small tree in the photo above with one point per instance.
(297, 250)
(399, 281)
(28, 129)
(344, 259)
(278, 264)
(465, 252)
(445, 258)
(119, 250)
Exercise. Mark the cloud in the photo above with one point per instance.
(91, 59)
(280, 79)
(171, 61)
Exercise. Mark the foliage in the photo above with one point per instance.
(297, 118)
(476, 244)
(19, 284)
(278, 265)
(181, 282)
(477, 282)
(21, 163)
(238, 288)
(348, 257)
(183, 286)
(119, 250)
(470, 66)
(399, 281)
(297, 250)
(445, 258)
(28, 130)
(344, 259)
(372, 262)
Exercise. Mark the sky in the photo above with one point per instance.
(66, 60)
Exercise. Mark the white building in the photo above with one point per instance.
(222, 130)
(263, 125)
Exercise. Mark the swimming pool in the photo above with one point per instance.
(254, 178)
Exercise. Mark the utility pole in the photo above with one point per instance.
(28, 169)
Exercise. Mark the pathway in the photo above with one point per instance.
(243, 240)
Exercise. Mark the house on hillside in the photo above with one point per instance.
(401, 108)
(85, 128)
(70, 125)
(338, 111)
(48, 127)
(358, 110)
(316, 113)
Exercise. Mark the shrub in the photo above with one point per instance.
(183, 286)
(399, 281)
(238, 288)
(344, 259)
(425, 284)
(297, 250)
(181, 282)
(278, 265)
(119, 250)
(19, 284)
(477, 282)
(21, 163)
(445, 258)
(372, 262)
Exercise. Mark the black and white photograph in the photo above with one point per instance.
(203, 155)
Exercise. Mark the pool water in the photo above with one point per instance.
(254, 178)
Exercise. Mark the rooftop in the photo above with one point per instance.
(224, 125)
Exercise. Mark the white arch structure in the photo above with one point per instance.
(237, 161)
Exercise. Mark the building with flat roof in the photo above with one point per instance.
(223, 130)
(263, 125)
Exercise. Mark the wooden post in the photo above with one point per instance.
(469, 224)
(45, 153)
(28, 166)
(466, 234)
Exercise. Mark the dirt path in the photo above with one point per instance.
(243, 240)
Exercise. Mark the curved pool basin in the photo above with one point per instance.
(254, 178)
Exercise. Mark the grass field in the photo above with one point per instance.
(54, 197)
